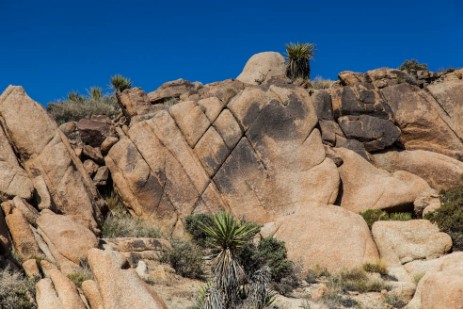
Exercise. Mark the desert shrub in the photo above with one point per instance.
(449, 217)
(185, 257)
(418, 277)
(298, 65)
(412, 66)
(357, 280)
(120, 83)
(192, 226)
(119, 223)
(315, 273)
(16, 291)
(79, 277)
(372, 215)
(76, 107)
(320, 83)
(378, 267)
(395, 300)
(333, 297)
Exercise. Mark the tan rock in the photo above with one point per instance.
(31, 269)
(93, 153)
(101, 176)
(14, 181)
(327, 232)
(46, 295)
(5, 240)
(228, 128)
(108, 143)
(441, 287)
(23, 238)
(401, 242)
(142, 244)
(66, 290)
(91, 167)
(133, 102)
(211, 107)
(120, 287)
(91, 292)
(42, 196)
(420, 118)
(29, 212)
(173, 90)
(367, 187)
(350, 78)
(440, 171)
(45, 151)
(449, 95)
(70, 238)
(262, 67)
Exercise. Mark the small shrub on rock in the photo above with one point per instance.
(372, 215)
(357, 280)
(378, 267)
(395, 300)
(449, 217)
(192, 226)
(413, 66)
(185, 257)
(314, 274)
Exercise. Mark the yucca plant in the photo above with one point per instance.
(298, 65)
(226, 236)
(76, 97)
(96, 93)
(120, 83)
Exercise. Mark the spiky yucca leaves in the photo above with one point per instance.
(261, 297)
(210, 297)
(227, 236)
(120, 83)
(298, 65)
(96, 93)
(74, 96)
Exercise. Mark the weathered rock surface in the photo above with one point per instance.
(326, 229)
(70, 238)
(262, 67)
(93, 131)
(367, 187)
(440, 171)
(21, 233)
(400, 242)
(46, 295)
(120, 287)
(442, 287)
(45, 151)
(418, 115)
(173, 90)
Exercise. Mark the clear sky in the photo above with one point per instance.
(53, 47)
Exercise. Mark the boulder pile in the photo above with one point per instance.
(300, 161)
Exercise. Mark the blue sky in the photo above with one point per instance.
(54, 47)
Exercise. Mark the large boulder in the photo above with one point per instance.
(419, 116)
(262, 67)
(71, 239)
(401, 242)
(93, 131)
(375, 133)
(441, 287)
(45, 152)
(173, 90)
(440, 171)
(449, 95)
(320, 235)
(257, 158)
(119, 285)
(367, 187)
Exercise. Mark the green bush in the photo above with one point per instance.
(298, 55)
(372, 215)
(314, 274)
(76, 107)
(186, 258)
(16, 291)
(192, 226)
(413, 66)
(120, 83)
(395, 300)
(379, 267)
(449, 217)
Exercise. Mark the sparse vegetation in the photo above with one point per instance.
(357, 280)
(299, 55)
(395, 300)
(192, 226)
(16, 291)
(378, 267)
(412, 66)
(186, 258)
(77, 106)
(314, 274)
(373, 215)
(320, 83)
(418, 277)
(449, 217)
(120, 83)
(82, 275)
(119, 223)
